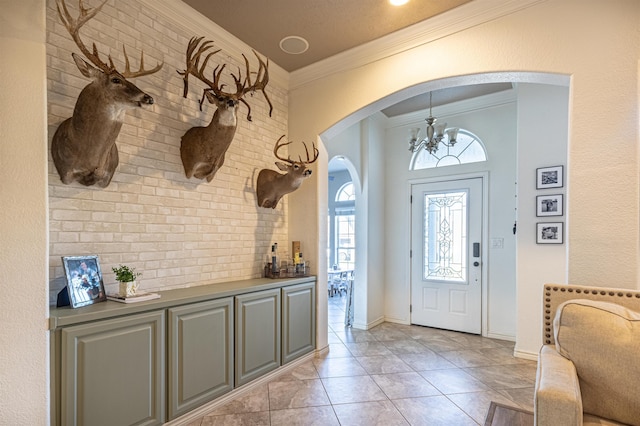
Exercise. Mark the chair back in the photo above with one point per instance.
(556, 294)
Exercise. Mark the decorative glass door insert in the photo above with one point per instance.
(445, 236)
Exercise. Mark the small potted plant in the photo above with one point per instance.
(126, 276)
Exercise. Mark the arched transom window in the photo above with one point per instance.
(346, 192)
(467, 149)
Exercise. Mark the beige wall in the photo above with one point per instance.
(594, 42)
(23, 217)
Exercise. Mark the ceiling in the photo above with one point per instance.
(329, 26)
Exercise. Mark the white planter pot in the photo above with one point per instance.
(128, 289)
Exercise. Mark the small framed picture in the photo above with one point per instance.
(549, 232)
(84, 280)
(549, 177)
(549, 205)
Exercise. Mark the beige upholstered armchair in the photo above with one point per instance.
(589, 366)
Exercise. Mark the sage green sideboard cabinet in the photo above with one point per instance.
(200, 354)
(113, 371)
(146, 363)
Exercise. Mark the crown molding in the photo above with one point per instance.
(459, 19)
(192, 21)
(455, 108)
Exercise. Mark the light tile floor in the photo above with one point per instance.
(389, 375)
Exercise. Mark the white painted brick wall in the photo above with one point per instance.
(177, 232)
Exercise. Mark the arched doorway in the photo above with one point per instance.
(534, 91)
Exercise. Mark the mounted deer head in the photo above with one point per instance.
(271, 185)
(84, 146)
(203, 148)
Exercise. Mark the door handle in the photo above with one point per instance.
(476, 250)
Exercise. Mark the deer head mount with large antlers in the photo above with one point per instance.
(202, 149)
(271, 185)
(84, 146)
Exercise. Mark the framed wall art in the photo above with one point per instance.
(84, 280)
(549, 205)
(549, 177)
(549, 232)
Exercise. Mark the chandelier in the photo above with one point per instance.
(436, 134)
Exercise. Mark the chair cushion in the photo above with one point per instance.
(603, 341)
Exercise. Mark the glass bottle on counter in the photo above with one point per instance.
(274, 260)
(300, 265)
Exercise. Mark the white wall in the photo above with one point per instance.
(373, 206)
(557, 37)
(24, 345)
(547, 105)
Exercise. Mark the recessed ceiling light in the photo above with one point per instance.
(294, 45)
(398, 2)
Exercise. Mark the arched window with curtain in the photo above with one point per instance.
(467, 149)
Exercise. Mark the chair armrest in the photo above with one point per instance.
(557, 399)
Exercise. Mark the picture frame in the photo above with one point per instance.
(549, 177)
(550, 232)
(549, 205)
(84, 280)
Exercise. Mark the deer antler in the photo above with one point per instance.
(73, 27)
(195, 51)
(316, 153)
(193, 60)
(279, 145)
(141, 71)
(262, 78)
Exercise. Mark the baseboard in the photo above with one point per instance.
(398, 321)
(532, 356)
(201, 411)
(369, 325)
(501, 337)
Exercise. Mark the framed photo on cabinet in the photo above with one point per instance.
(549, 177)
(549, 232)
(84, 280)
(549, 205)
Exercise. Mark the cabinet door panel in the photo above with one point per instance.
(113, 372)
(201, 355)
(257, 334)
(298, 320)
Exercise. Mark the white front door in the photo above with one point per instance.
(446, 264)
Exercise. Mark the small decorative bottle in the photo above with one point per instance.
(300, 265)
(275, 270)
